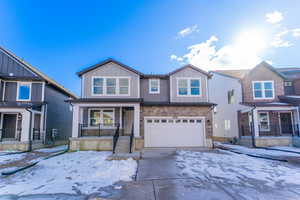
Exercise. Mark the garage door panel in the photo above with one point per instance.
(174, 133)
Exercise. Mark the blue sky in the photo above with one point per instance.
(62, 37)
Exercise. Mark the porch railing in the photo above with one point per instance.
(97, 130)
(131, 139)
(273, 130)
(116, 137)
(10, 133)
(36, 134)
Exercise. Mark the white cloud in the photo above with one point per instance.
(296, 32)
(206, 56)
(174, 57)
(187, 31)
(274, 17)
(278, 40)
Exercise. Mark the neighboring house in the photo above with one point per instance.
(32, 106)
(169, 110)
(226, 92)
(272, 120)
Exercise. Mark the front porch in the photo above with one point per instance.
(97, 126)
(269, 126)
(19, 127)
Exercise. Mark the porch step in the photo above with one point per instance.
(123, 144)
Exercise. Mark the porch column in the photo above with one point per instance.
(136, 122)
(25, 126)
(255, 123)
(75, 121)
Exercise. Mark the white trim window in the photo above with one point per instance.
(263, 89)
(189, 87)
(264, 121)
(154, 86)
(24, 91)
(105, 117)
(110, 86)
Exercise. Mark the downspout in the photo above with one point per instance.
(29, 134)
(252, 128)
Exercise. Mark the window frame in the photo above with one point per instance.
(105, 85)
(18, 90)
(288, 84)
(263, 90)
(268, 121)
(158, 87)
(189, 87)
(101, 117)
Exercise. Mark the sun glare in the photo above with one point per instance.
(251, 41)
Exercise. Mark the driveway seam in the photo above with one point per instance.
(154, 192)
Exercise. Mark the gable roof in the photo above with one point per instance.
(192, 67)
(80, 73)
(224, 74)
(270, 67)
(39, 73)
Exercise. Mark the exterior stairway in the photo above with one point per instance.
(122, 150)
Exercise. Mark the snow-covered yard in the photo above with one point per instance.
(232, 168)
(77, 172)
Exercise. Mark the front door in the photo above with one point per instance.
(9, 125)
(286, 123)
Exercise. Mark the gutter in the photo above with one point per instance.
(252, 127)
(30, 133)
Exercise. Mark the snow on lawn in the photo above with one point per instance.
(287, 148)
(257, 151)
(235, 168)
(82, 171)
(54, 149)
(4, 159)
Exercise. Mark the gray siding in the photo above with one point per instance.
(59, 115)
(188, 73)
(163, 96)
(9, 65)
(111, 70)
(11, 91)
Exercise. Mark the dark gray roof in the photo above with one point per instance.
(104, 100)
(266, 104)
(178, 104)
(80, 73)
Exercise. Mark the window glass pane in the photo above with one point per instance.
(98, 90)
(257, 86)
(258, 93)
(195, 83)
(94, 117)
(268, 85)
(154, 83)
(123, 90)
(268, 93)
(98, 81)
(183, 91)
(108, 117)
(111, 82)
(124, 82)
(24, 92)
(111, 90)
(195, 91)
(183, 83)
(154, 89)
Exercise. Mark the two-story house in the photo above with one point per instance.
(267, 120)
(32, 106)
(156, 110)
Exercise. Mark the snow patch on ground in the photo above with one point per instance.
(234, 168)
(77, 172)
(4, 159)
(257, 151)
(287, 148)
(54, 149)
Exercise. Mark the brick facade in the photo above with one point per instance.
(262, 73)
(176, 111)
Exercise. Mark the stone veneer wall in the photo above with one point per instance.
(177, 111)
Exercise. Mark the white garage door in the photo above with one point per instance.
(169, 132)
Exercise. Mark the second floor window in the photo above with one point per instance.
(154, 86)
(263, 89)
(230, 95)
(188, 87)
(110, 86)
(24, 92)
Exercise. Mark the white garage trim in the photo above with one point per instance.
(170, 132)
